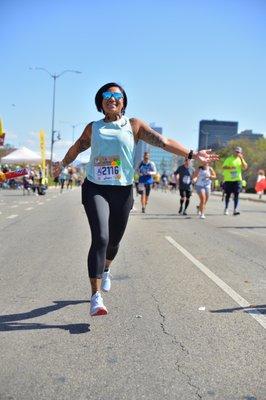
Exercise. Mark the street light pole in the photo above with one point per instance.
(73, 133)
(73, 126)
(52, 133)
(54, 76)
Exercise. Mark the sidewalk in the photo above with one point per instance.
(245, 196)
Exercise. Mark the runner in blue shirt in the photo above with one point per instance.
(146, 171)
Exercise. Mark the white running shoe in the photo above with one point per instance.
(202, 216)
(106, 281)
(226, 212)
(97, 307)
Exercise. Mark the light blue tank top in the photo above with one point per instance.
(112, 153)
(203, 178)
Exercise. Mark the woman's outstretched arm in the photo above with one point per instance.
(144, 132)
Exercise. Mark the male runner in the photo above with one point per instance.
(184, 175)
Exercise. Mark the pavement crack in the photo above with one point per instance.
(176, 343)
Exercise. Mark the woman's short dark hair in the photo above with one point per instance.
(99, 96)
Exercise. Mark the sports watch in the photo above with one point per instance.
(190, 155)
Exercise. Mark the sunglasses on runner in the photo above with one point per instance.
(115, 95)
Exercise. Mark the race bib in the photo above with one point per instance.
(186, 179)
(141, 187)
(107, 168)
(233, 174)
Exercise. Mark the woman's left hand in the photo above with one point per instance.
(205, 156)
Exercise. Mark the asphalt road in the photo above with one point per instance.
(186, 311)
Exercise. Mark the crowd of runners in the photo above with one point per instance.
(187, 179)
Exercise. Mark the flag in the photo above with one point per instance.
(2, 134)
(43, 150)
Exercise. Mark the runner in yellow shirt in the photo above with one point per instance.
(232, 170)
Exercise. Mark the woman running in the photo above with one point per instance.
(107, 190)
(203, 177)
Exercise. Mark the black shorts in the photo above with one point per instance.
(185, 193)
(144, 188)
(232, 187)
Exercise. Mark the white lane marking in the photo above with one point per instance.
(253, 312)
(14, 206)
(29, 208)
(40, 204)
(12, 216)
(48, 199)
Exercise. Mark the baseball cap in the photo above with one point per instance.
(238, 149)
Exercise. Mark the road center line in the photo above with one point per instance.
(253, 312)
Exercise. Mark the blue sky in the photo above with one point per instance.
(179, 62)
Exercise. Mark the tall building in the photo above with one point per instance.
(140, 149)
(164, 161)
(215, 134)
(248, 134)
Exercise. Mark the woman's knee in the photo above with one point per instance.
(100, 241)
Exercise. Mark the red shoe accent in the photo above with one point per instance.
(100, 311)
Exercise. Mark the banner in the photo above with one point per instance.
(13, 174)
(2, 134)
(43, 151)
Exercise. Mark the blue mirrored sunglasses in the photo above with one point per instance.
(115, 95)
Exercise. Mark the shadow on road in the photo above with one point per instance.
(252, 308)
(140, 214)
(242, 227)
(12, 322)
(246, 211)
(161, 216)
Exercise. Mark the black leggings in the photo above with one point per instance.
(232, 187)
(107, 208)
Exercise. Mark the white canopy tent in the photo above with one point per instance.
(22, 156)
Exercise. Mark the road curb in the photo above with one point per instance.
(242, 198)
